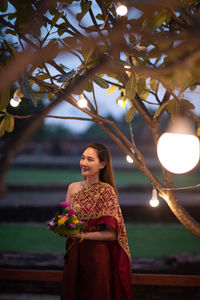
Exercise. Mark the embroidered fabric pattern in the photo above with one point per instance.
(100, 200)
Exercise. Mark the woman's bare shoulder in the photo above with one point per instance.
(75, 187)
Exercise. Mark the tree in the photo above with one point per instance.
(158, 42)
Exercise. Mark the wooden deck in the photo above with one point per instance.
(137, 279)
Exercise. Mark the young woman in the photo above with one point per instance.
(97, 261)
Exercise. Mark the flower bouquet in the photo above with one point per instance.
(65, 223)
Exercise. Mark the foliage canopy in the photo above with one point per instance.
(155, 47)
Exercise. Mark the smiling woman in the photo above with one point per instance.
(97, 261)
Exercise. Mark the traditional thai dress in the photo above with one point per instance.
(98, 270)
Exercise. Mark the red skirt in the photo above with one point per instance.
(90, 272)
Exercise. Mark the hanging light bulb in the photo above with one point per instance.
(14, 102)
(82, 102)
(122, 101)
(129, 159)
(154, 202)
(127, 67)
(178, 149)
(121, 9)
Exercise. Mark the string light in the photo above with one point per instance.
(178, 149)
(121, 9)
(127, 67)
(121, 101)
(154, 202)
(82, 102)
(14, 102)
(129, 159)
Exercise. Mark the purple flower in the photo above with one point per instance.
(52, 223)
(64, 204)
(71, 225)
(71, 211)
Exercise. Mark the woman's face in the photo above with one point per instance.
(90, 163)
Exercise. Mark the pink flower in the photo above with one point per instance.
(71, 211)
(71, 225)
(64, 204)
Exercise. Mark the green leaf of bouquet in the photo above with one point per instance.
(70, 219)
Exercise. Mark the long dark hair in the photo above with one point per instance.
(106, 174)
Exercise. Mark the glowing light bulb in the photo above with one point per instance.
(82, 102)
(179, 150)
(14, 102)
(121, 10)
(121, 103)
(154, 202)
(126, 67)
(129, 159)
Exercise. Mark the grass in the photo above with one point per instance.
(59, 176)
(144, 240)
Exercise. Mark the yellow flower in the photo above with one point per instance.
(75, 219)
(62, 219)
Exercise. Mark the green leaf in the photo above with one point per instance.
(132, 38)
(187, 104)
(62, 28)
(9, 124)
(56, 18)
(10, 31)
(141, 84)
(66, 76)
(131, 87)
(86, 52)
(2, 127)
(160, 109)
(100, 17)
(130, 114)
(101, 82)
(172, 106)
(85, 9)
(3, 5)
(4, 99)
(89, 87)
(42, 76)
(154, 85)
(27, 90)
(159, 19)
(198, 129)
(112, 89)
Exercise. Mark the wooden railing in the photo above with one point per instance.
(137, 279)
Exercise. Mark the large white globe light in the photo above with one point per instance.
(178, 153)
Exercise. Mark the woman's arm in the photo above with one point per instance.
(105, 235)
